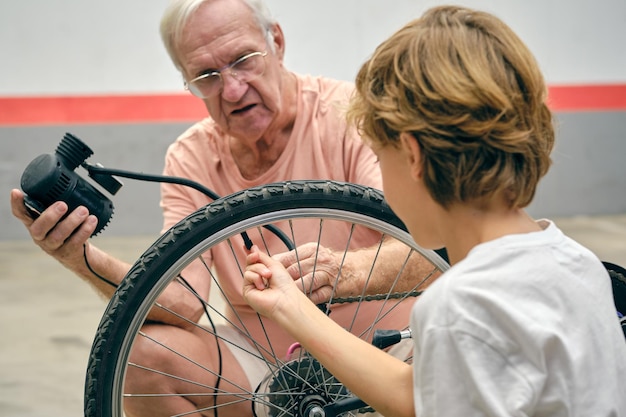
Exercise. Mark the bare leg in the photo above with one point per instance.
(191, 366)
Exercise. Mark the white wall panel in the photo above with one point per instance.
(88, 46)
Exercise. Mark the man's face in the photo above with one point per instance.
(219, 33)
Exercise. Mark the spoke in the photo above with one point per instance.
(319, 244)
(293, 239)
(369, 276)
(178, 378)
(269, 351)
(273, 369)
(190, 360)
(380, 315)
(343, 260)
(266, 247)
(209, 408)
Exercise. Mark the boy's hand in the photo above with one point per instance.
(268, 287)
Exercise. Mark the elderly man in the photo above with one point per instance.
(266, 124)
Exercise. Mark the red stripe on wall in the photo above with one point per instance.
(100, 109)
(609, 97)
(26, 111)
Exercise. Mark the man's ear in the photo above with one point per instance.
(279, 40)
(414, 154)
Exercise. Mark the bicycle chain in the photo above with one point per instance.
(375, 297)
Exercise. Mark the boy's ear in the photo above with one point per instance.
(414, 153)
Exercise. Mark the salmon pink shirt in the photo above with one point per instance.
(321, 146)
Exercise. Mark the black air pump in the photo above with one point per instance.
(52, 177)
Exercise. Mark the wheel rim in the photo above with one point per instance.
(196, 249)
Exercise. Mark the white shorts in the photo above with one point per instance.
(239, 345)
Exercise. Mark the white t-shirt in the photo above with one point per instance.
(525, 325)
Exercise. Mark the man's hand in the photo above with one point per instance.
(319, 272)
(316, 270)
(61, 238)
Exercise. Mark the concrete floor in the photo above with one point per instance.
(48, 317)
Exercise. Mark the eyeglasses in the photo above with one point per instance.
(244, 69)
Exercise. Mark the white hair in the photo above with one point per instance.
(178, 13)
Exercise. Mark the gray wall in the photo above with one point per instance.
(588, 176)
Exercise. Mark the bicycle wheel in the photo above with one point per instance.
(320, 213)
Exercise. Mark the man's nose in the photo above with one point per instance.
(232, 88)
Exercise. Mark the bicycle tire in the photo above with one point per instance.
(209, 226)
